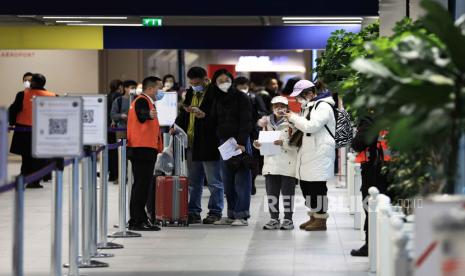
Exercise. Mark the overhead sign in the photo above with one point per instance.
(3, 145)
(151, 22)
(167, 109)
(94, 119)
(57, 127)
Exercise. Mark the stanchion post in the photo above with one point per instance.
(357, 197)
(93, 190)
(122, 233)
(57, 219)
(372, 222)
(73, 266)
(85, 261)
(103, 243)
(18, 228)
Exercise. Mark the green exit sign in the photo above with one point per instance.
(151, 22)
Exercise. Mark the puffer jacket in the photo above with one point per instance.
(315, 158)
(284, 163)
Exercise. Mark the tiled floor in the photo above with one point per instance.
(197, 250)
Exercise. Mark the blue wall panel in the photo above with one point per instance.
(274, 37)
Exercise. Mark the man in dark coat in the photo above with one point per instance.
(367, 143)
(202, 154)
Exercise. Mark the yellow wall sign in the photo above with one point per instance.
(51, 37)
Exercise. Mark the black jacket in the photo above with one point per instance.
(258, 111)
(233, 114)
(206, 142)
(22, 141)
(372, 170)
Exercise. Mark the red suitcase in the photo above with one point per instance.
(172, 192)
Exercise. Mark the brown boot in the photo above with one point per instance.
(307, 223)
(319, 223)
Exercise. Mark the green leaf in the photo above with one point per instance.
(438, 21)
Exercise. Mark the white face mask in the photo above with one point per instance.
(224, 86)
(27, 84)
(139, 91)
(132, 91)
(245, 90)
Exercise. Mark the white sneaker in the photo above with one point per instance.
(224, 221)
(287, 225)
(240, 222)
(273, 224)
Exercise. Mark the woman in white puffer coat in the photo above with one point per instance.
(279, 170)
(316, 156)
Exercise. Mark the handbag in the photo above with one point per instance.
(241, 161)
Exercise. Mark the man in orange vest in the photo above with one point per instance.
(373, 152)
(144, 143)
(20, 114)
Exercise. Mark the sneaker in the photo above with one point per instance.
(224, 221)
(287, 225)
(240, 222)
(194, 219)
(210, 219)
(273, 224)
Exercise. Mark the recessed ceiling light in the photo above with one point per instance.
(87, 17)
(105, 24)
(69, 21)
(321, 22)
(322, 18)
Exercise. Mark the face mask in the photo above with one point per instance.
(279, 111)
(27, 84)
(245, 90)
(198, 88)
(224, 86)
(168, 85)
(139, 91)
(160, 95)
(133, 91)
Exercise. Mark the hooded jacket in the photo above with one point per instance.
(315, 158)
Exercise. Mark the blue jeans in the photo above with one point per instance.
(197, 171)
(237, 186)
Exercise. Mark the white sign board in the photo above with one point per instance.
(57, 127)
(167, 109)
(3, 145)
(94, 119)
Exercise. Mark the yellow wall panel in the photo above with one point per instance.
(51, 37)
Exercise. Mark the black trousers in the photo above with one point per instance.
(315, 194)
(143, 178)
(30, 165)
(112, 158)
(275, 185)
(371, 177)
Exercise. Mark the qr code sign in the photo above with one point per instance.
(87, 116)
(57, 126)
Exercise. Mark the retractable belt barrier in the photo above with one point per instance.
(94, 233)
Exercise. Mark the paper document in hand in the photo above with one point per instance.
(229, 149)
(266, 140)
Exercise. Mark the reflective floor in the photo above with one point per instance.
(197, 250)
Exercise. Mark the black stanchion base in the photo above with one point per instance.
(90, 264)
(102, 255)
(125, 234)
(109, 245)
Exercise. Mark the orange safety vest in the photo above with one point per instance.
(143, 135)
(24, 117)
(382, 143)
(294, 105)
